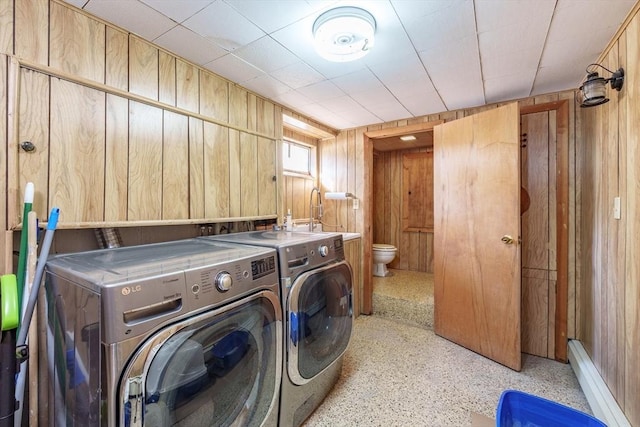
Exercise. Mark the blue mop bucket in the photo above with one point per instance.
(521, 409)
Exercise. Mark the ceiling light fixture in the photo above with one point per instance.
(594, 89)
(407, 138)
(344, 34)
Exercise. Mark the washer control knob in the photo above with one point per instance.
(224, 281)
(324, 250)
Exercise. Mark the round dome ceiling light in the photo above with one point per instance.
(344, 34)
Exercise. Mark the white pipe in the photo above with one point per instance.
(602, 403)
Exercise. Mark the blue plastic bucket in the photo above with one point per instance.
(526, 410)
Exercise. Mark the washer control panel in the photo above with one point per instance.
(223, 281)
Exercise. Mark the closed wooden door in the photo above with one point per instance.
(476, 233)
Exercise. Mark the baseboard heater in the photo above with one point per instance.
(602, 403)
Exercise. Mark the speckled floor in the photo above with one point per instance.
(405, 296)
(396, 373)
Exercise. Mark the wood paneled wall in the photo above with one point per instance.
(167, 139)
(539, 170)
(609, 291)
(341, 169)
(415, 249)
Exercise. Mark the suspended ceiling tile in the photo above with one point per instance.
(391, 39)
(361, 117)
(325, 116)
(77, 3)
(273, 15)
(418, 99)
(298, 75)
(382, 104)
(420, 82)
(531, 16)
(555, 53)
(223, 25)
(267, 86)
(321, 91)
(452, 53)
(390, 111)
(512, 39)
(505, 87)
(234, 68)
(368, 98)
(343, 104)
(359, 81)
(266, 54)
(429, 24)
(509, 64)
(190, 45)
(578, 18)
(407, 69)
(430, 103)
(579, 32)
(455, 70)
(553, 79)
(457, 98)
(178, 11)
(292, 98)
(127, 14)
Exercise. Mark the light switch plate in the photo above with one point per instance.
(356, 203)
(616, 208)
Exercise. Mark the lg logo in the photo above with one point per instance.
(129, 290)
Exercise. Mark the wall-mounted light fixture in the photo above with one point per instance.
(344, 34)
(408, 138)
(594, 88)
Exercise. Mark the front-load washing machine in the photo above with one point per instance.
(316, 291)
(178, 333)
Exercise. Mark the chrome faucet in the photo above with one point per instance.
(319, 206)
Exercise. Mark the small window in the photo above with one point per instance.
(296, 158)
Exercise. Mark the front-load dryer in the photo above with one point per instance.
(178, 333)
(316, 291)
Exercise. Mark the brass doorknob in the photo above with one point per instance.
(506, 239)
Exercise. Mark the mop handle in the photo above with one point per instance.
(42, 261)
(22, 256)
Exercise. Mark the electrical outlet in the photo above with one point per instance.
(356, 203)
(616, 208)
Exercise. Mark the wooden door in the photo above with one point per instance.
(477, 205)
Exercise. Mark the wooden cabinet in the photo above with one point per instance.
(353, 255)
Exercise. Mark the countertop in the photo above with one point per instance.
(350, 236)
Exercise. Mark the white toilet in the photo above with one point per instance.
(382, 255)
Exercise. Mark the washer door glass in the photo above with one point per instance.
(219, 368)
(320, 320)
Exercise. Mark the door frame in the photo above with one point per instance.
(562, 212)
(367, 238)
(561, 107)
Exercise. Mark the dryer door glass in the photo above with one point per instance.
(219, 368)
(320, 320)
